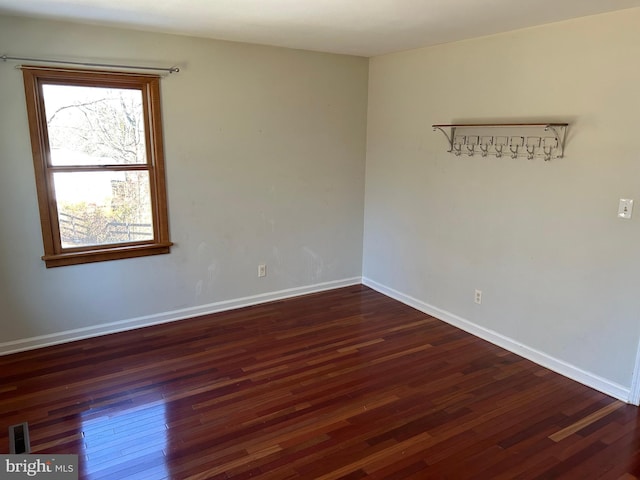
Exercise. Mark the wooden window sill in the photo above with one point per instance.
(110, 253)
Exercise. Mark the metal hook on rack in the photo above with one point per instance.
(514, 153)
(457, 150)
(547, 153)
(531, 152)
(485, 150)
(499, 150)
(471, 149)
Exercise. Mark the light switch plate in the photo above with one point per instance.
(625, 208)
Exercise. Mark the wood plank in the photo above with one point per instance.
(584, 422)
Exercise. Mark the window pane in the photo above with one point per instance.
(94, 125)
(99, 208)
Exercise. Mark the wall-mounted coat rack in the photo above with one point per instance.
(530, 140)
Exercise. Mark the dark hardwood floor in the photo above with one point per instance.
(343, 384)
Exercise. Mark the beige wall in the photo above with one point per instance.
(558, 270)
(265, 151)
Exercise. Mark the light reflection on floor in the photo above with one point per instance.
(126, 445)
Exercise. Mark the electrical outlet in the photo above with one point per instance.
(262, 270)
(478, 297)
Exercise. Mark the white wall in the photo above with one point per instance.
(558, 270)
(265, 153)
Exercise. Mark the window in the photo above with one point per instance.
(97, 149)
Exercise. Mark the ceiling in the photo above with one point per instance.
(356, 27)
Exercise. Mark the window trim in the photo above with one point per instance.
(149, 85)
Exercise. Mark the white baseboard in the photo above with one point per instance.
(634, 394)
(165, 317)
(571, 371)
(563, 368)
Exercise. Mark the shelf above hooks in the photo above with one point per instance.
(530, 140)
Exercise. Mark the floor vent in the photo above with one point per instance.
(19, 439)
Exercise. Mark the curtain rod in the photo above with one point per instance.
(86, 64)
